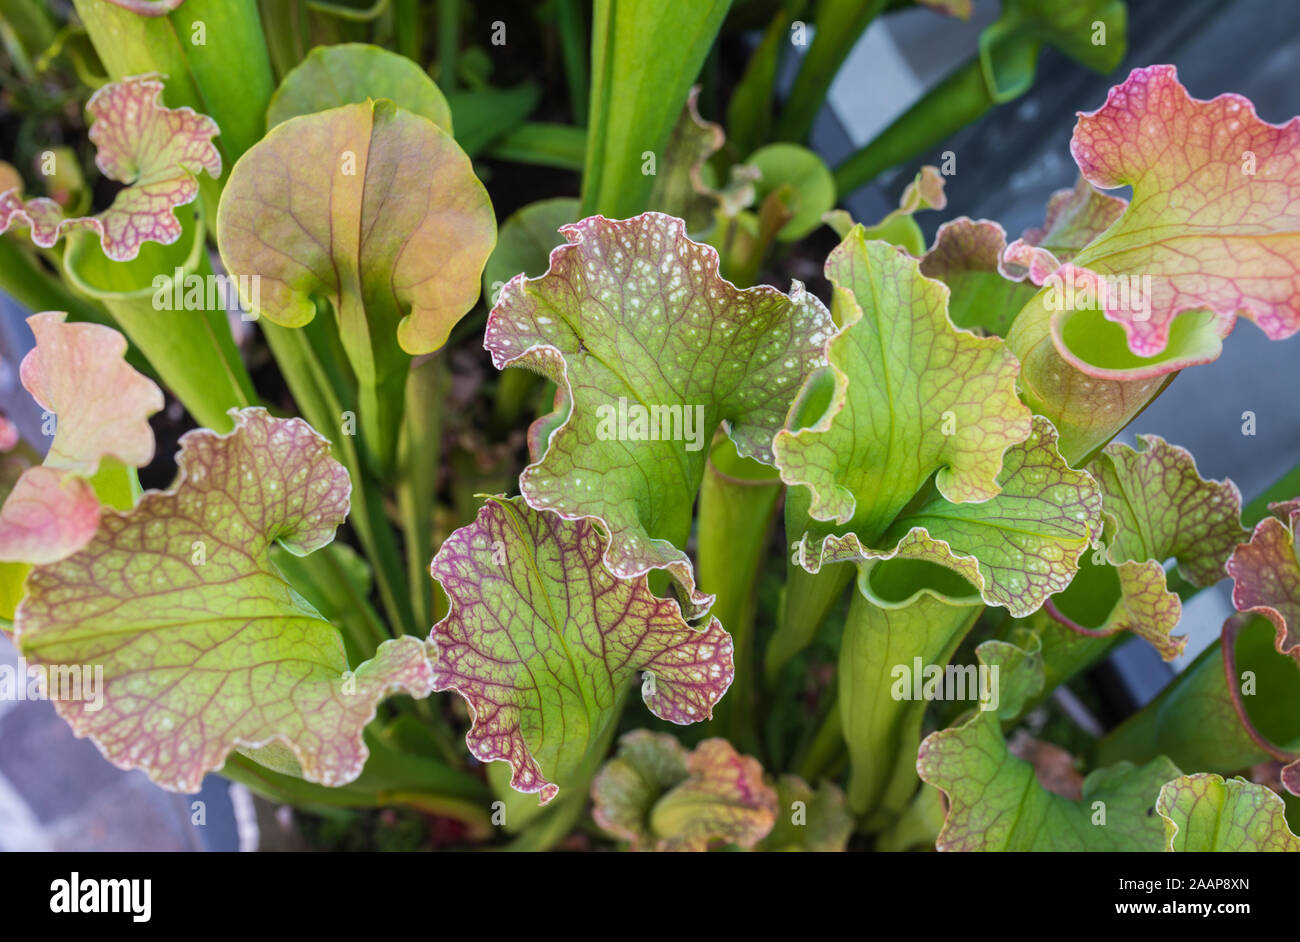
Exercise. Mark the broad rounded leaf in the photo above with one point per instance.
(1017, 548)
(811, 186)
(157, 151)
(996, 803)
(525, 242)
(1204, 812)
(204, 648)
(323, 207)
(652, 349)
(1266, 575)
(912, 396)
(348, 73)
(542, 641)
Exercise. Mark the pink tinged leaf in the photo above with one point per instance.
(964, 245)
(626, 788)
(8, 433)
(632, 311)
(542, 641)
(149, 7)
(157, 151)
(203, 647)
(657, 796)
(1074, 218)
(78, 372)
(724, 801)
(52, 511)
(1266, 575)
(48, 515)
(1214, 219)
(926, 191)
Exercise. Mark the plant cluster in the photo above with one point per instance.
(789, 567)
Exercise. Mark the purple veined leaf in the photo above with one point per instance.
(542, 641)
(1265, 573)
(652, 349)
(1211, 234)
(1205, 812)
(1157, 506)
(189, 643)
(656, 795)
(53, 509)
(157, 151)
(1210, 180)
(996, 803)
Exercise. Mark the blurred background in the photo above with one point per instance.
(56, 792)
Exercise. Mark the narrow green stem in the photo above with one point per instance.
(839, 24)
(826, 746)
(320, 403)
(574, 46)
(737, 507)
(408, 29)
(951, 105)
(448, 43)
(418, 454)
